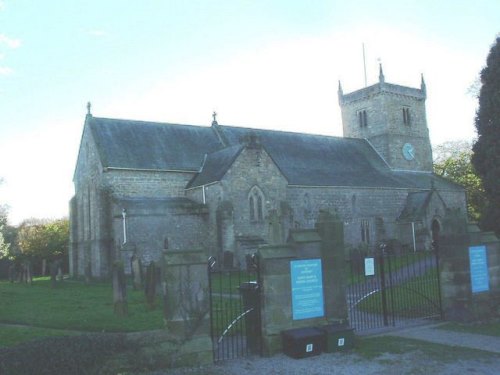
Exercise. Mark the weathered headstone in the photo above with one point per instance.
(150, 287)
(275, 232)
(119, 289)
(136, 266)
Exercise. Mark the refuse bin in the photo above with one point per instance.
(250, 293)
(303, 342)
(339, 337)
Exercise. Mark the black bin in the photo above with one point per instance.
(303, 342)
(250, 294)
(338, 337)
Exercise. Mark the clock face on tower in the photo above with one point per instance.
(408, 151)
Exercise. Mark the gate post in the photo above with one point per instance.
(186, 304)
(324, 243)
(460, 302)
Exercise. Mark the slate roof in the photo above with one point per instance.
(303, 159)
(416, 205)
(215, 166)
(151, 146)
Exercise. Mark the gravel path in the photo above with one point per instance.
(413, 362)
(345, 364)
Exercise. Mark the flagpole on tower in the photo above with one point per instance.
(364, 63)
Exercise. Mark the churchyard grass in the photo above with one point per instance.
(355, 273)
(485, 328)
(13, 335)
(373, 347)
(72, 305)
(407, 298)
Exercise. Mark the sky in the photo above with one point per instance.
(259, 64)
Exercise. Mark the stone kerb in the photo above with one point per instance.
(458, 300)
(186, 305)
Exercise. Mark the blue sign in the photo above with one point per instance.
(478, 269)
(307, 289)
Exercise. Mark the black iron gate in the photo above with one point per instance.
(235, 323)
(393, 289)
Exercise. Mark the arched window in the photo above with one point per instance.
(252, 208)
(256, 204)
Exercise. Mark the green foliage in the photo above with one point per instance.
(4, 245)
(453, 161)
(486, 158)
(44, 239)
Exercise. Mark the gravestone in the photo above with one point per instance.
(119, 289)
(136, 267)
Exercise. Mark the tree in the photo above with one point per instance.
(44, 239)
(486, 157)
(452, 160)
(4, 245)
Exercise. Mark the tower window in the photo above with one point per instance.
(362, 118)
(406, 115)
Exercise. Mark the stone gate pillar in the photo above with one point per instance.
(324, 243)
(459, 301)
(186, 305)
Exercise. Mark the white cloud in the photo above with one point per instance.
(5, 71)
(2, 5)
(9, 42)
(97, 33)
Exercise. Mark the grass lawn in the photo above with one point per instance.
(373, 347)
(74, 306)
(489, 329)
(418, 296)
(12, 335)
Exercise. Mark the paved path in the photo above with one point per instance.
(441, 336)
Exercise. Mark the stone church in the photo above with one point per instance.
(143, 188)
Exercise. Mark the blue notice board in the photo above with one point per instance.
(479, 269)
(307, 289)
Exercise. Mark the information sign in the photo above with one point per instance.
(369, 266)
(307, 289)
(478, 269)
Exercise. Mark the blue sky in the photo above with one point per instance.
(263, 64)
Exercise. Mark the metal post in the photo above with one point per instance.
(413, 234)
(124, 217)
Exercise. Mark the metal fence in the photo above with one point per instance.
(235, 322)
(386, 289)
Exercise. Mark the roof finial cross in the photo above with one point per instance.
(214, 115)
(89, 106)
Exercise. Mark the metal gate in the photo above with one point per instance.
(235, 322)
(386, 289)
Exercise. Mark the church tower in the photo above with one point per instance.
(393, 119)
